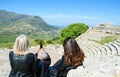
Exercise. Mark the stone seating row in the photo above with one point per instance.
(94, 49)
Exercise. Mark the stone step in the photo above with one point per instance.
(113, 49)
(98, 47)
(104, 50)
(118, 46)
(99, 50)
(118, 40)
(108, 50)
(89, 50)
(86, 52)
(94, 49)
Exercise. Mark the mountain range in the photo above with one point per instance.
(15, 24)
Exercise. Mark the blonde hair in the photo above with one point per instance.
(21, 45)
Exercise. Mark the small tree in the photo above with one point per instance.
(66, 32)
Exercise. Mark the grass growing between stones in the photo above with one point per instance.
(108, 39)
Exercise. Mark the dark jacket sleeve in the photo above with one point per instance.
(58, 68)
(34, 64)
(47, 61)
(60, 65)
(11, 58)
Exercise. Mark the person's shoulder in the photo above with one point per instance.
(30, 54)
(60, 62)
(11, 53)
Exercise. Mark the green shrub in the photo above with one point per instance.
(49, 41)
(39, 41)
(73, 30)
(107, 39)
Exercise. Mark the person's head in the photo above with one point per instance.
(21, 45)
(73, 55)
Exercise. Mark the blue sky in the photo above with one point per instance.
(65, 12)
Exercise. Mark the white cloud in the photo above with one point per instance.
(55, 16)
(62, 19)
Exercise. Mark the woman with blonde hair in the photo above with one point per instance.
(22, 63)
(72, 58)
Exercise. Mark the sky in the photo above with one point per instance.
(65, 12)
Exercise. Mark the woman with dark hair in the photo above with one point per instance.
(72, 58)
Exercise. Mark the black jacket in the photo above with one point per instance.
(42, 66)
(60, 68)
(22, 66)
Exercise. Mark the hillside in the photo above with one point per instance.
(13, 23)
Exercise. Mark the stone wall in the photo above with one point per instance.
(107, 28)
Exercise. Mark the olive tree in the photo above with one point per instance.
(73, 30)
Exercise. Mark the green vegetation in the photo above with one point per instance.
(13, 24)
(73, 30)
(39, 41)
(7, 41)
(107, 39)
